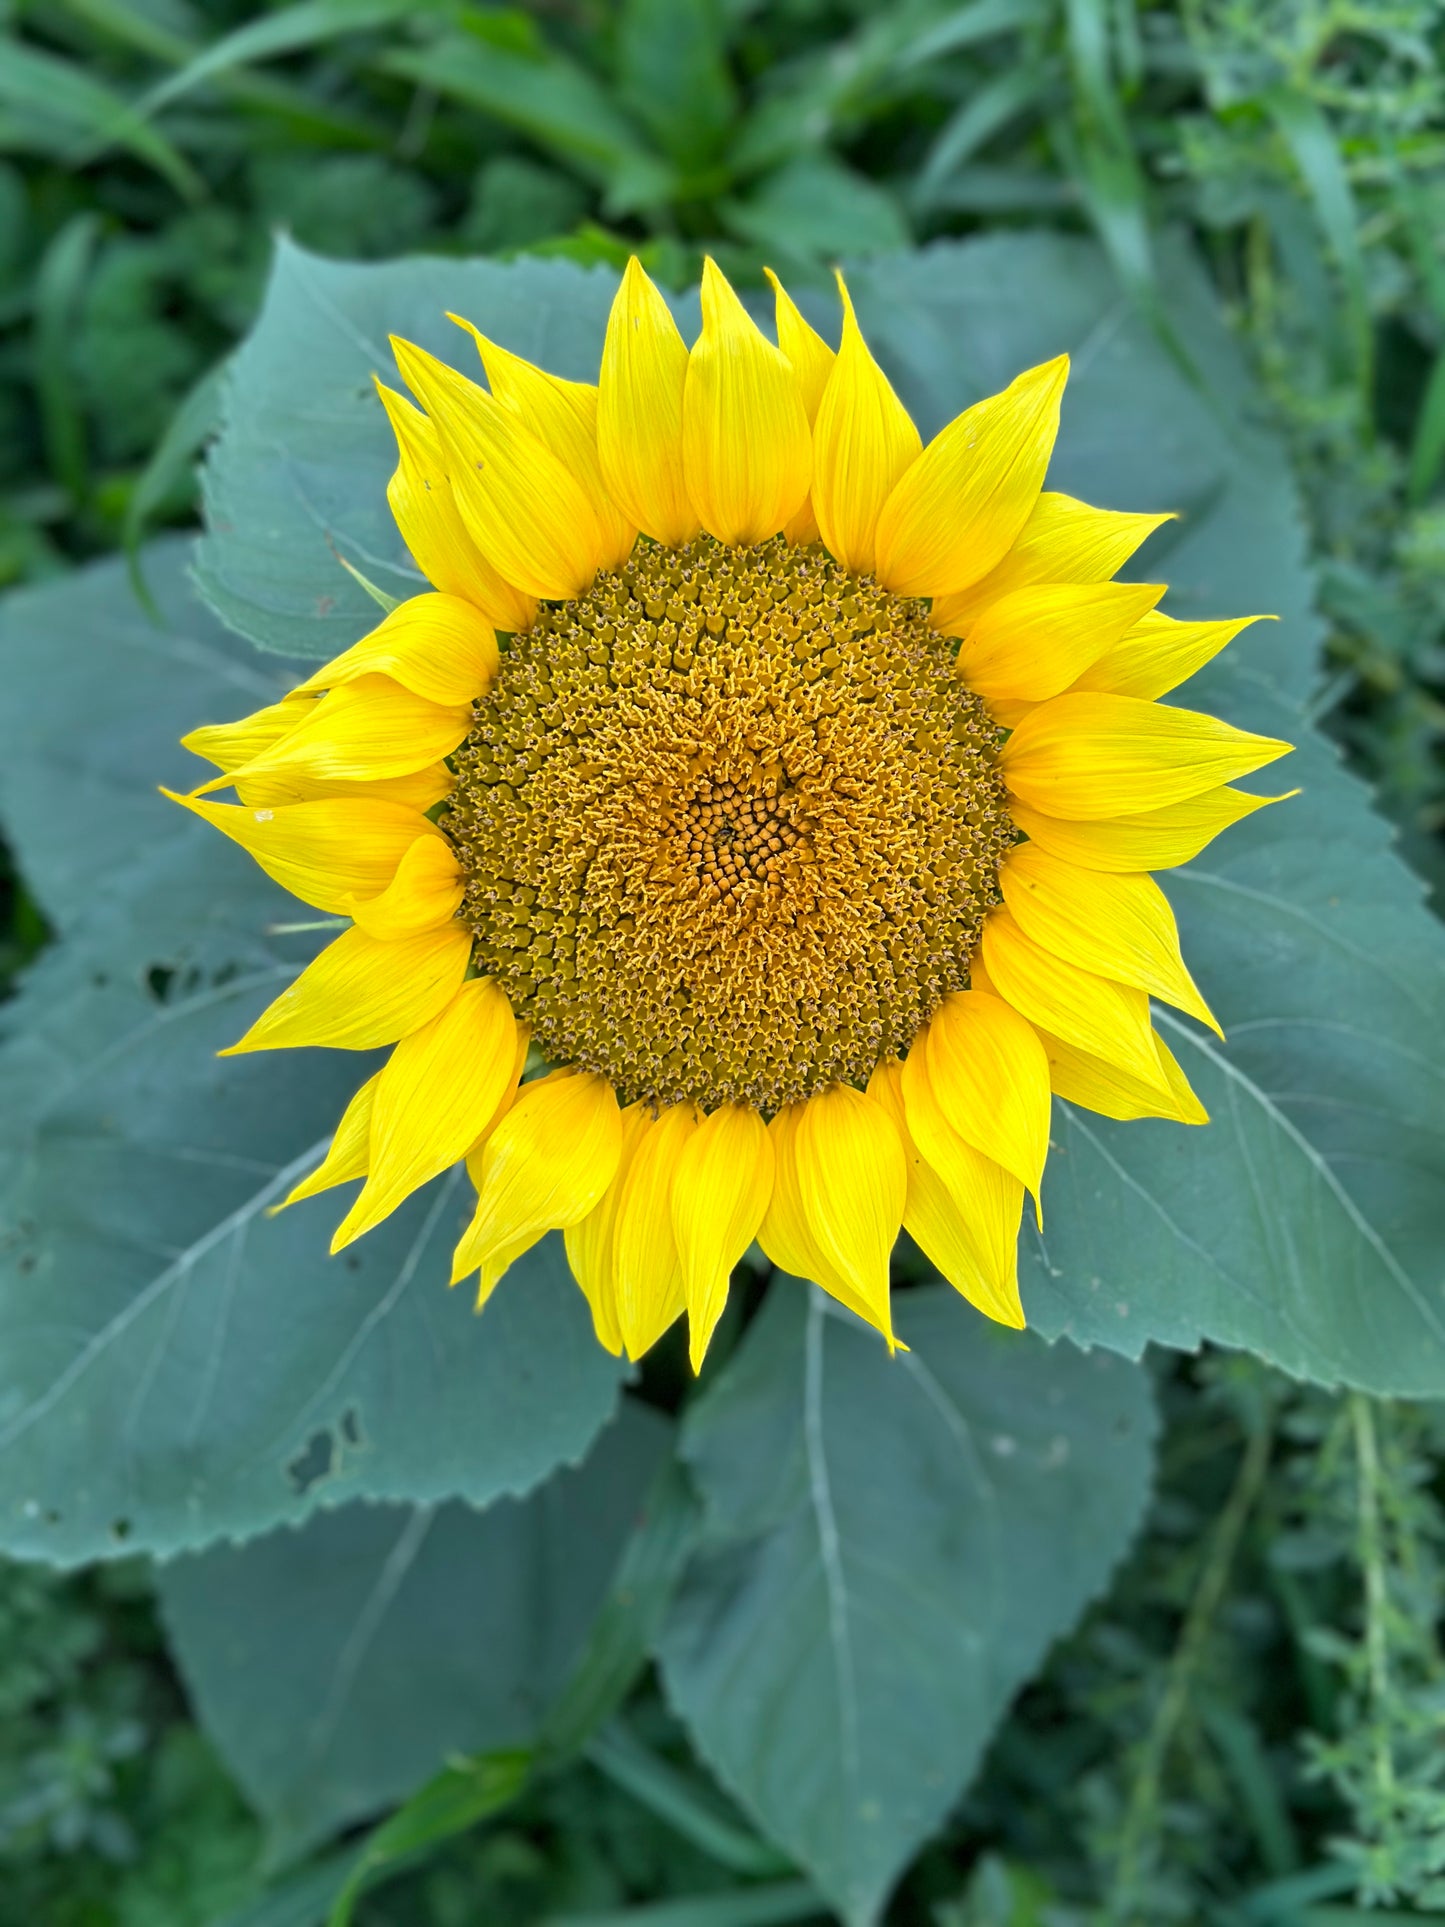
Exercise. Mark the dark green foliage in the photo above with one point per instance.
(1245, 1732)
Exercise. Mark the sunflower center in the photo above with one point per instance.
(730, 824)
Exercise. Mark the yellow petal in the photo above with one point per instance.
(349, 1152)
(525, 512)
(366, 730)
(1117, 926)
(1106, 1019)
(1158, 654)
(720, 1191)
(1062, 541)
(563, 416)
(811, 360)
(852, 1187)
(425, 892)
(419, 791)
(639, 412)
(437, 646)
(324, 852)
(1153, 840)
(431, 525)
(1093, 756)
(590, 1241)
(863, 441)
(747, 454)
(434, 1095)
(1034, 643)
(963, 1210)
(646, 1270)
(1097, 1085)
(544, 1168)
(232, 745)
(958, 509)
(361, 992)
(989, 1075)
(785, 1234)
(809, 356)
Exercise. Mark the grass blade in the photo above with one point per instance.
(678, 1800)
(1312, 146)
(61, 100)
(59, 284)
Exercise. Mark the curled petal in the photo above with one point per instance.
(433, 1097)
(1034, 643)
(1117, 926)
(963, 1210)
(989, 1075)
(1107, 1019)
(437, 646)
(1097, 1085)
(325, 852)
(425, 892)
(363, 730)
(544, 1168)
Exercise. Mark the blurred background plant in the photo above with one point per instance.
(1248, 1730)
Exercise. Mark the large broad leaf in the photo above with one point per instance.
(1308, 1222)
(175, 1365)
(890, 1546)
(338, 1666)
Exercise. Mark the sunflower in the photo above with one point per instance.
(749, 831)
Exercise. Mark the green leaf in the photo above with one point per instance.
(816, 209)
(339, 1666)
(174, 1364)
(890, 1546)
(299, 474)
(673, 75)
(171, 462)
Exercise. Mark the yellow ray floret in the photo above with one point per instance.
(1108, 1019)
(346, 1157)
(1090, 756)
(1118, 926)
(425, 893)
(1152, 840)
(1063, 540)
(746, 451)
(1033, 643)
(955, 512)
(988, 1074)
(426, 513)
(852, 1186)
(720, 1191)
(962, 1209)
(527, 514)
(361, 731)
(863, 442)
(326, 852)
(362, 992)
(544, 1168)
(639, 412)
(645, 1274)
(439, 647)
(441, 1086)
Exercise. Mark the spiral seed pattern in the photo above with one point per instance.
(730, 824)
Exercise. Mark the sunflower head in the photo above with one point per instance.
(751, 827)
